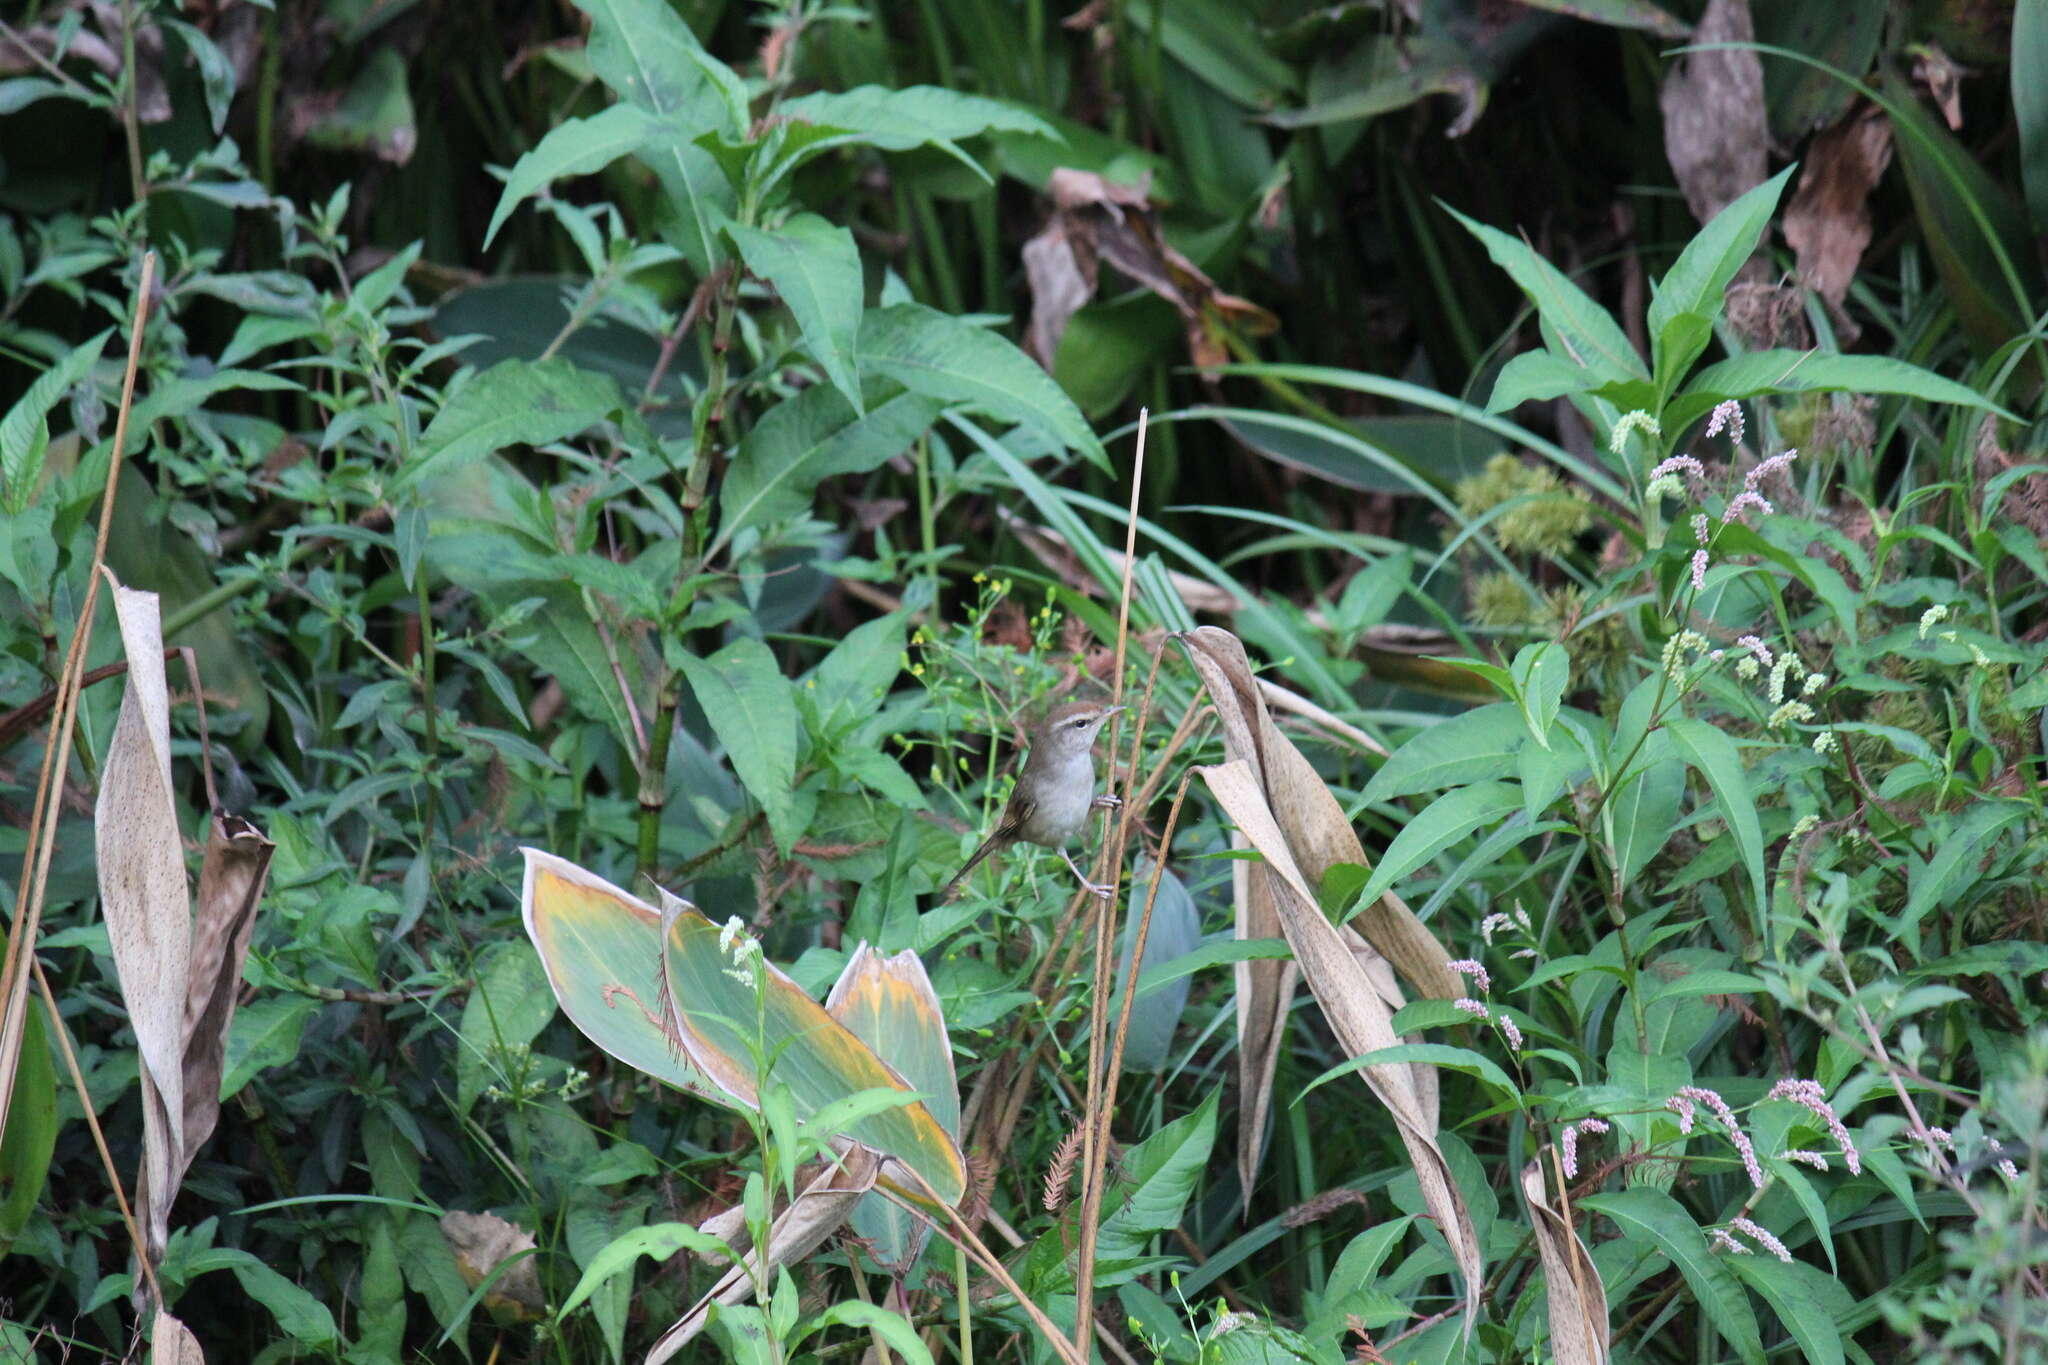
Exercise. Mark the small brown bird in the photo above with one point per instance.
(1054, 793)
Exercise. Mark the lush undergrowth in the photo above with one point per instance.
(1579, 597)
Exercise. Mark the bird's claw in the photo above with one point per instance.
(1109, 801)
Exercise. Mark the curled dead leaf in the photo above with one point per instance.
(481, 1243)
(1715, 124)
(1095, 220)
(1828, 220)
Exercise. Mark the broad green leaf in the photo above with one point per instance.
(1953, 861)
(1475, 746)
(31, 1134)
(507, 1010)
(889, 1004)
(1159, 1176)
(645, 52)
(850, 684)
(299, 1315)
(576, 147)
(1699, 277)
(265, 1033)
(1659, 1223)
(806, 439)
(1175, 930)
(1585, 333)
(914, 116)
(1641, 816)
(1541, 672)
(515, 402)
(1221, 44)
(1391, 73)
(656, 1241)
(1770, 372)
(736, 1013)
(1443, 822)
(889, 1328)
(25, 432)
(177, 397)
(601, 949)
(1814, 1306)
(1536, 376)
(815, 267)
(1716, 758)
(748, 703)
(938, 355)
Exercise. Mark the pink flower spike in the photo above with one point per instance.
(1721, 1238)
(1748, 497)
(1472, 1007)
(1700, 530)
(1756, 647)
(1465, 966)
(1777, 464)
(1510, 1031)
(1763, 1237)
(1680, 464)
(1719, 1107)
(1699, 570)
(1804, 1158)
(1727, 414)
(1814, 1098)
(1681, 1106)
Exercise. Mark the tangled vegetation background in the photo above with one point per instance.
(695, 440)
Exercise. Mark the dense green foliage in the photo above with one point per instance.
(654, 434)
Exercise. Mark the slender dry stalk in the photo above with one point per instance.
(1094, 1120)
(42, 827)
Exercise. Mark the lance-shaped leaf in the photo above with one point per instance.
(602, 951)
(815, 267)
(1576, 1298)
(1358, 1014)
(737, 1013)
(889, 1004)
(143, 895)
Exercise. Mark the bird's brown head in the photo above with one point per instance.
(1073, 725)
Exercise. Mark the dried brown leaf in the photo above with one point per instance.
(230, 887)
(1357, 1014)
(1095, 219)
(1715, 125)
(1828, 220)
(171, 1343)
(481, 1241)
(144, 898)
(1577, 1300)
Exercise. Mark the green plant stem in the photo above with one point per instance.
(966, 1304)
(927, 526)
(654, 781)
(427, 667)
